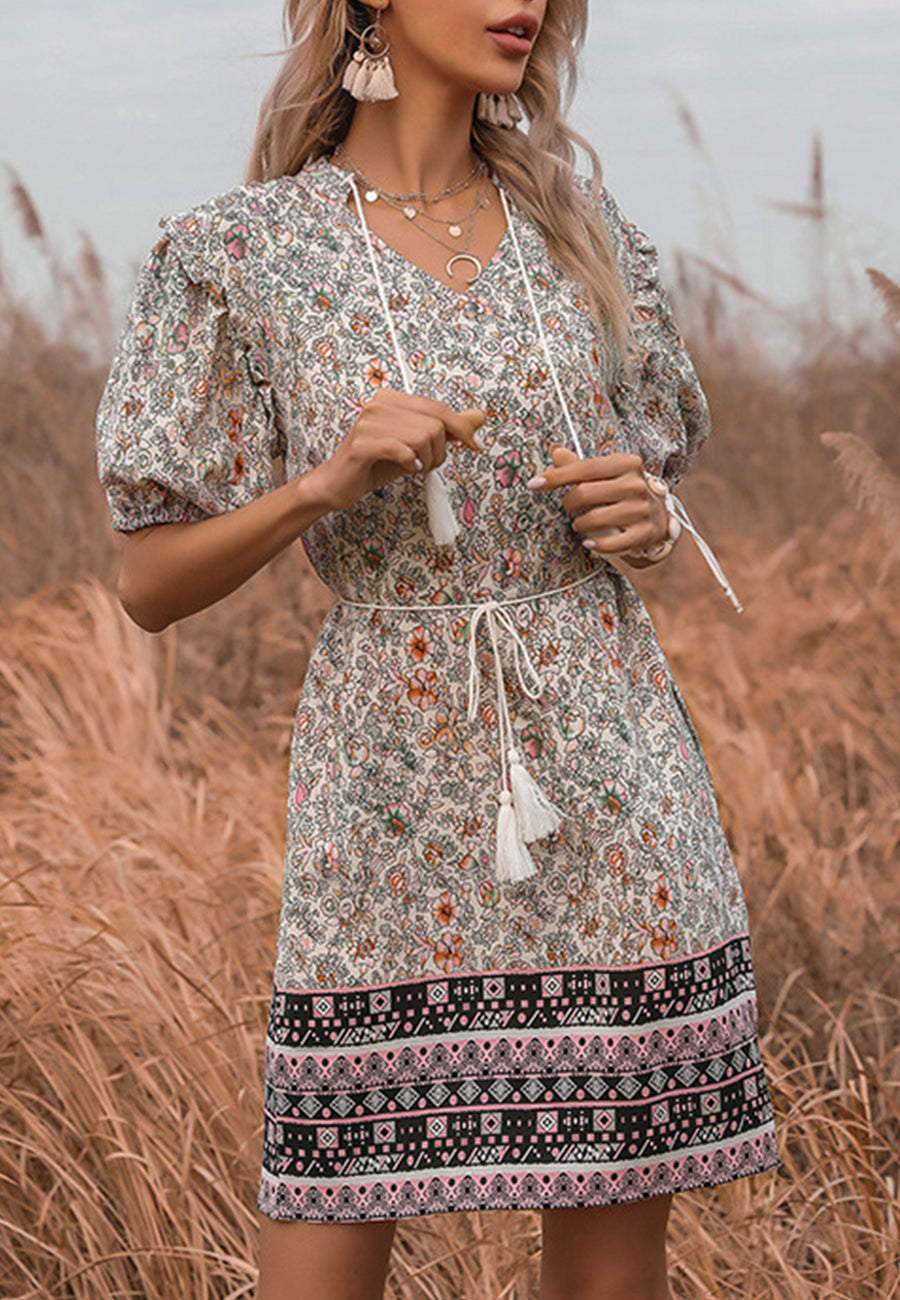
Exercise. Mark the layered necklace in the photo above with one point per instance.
(454, 228)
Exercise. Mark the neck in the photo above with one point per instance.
(417, 143)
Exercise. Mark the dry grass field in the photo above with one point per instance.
(141, 789)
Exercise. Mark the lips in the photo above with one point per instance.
(516, 34)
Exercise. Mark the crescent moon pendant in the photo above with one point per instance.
(465, 257)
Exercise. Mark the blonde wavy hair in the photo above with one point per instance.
(306, 113)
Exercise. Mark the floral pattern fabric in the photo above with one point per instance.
(402, 964)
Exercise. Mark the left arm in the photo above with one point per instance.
(660, 407)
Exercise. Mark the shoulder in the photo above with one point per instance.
(238, 229)
(635, 252)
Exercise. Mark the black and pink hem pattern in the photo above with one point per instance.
(515, 1090)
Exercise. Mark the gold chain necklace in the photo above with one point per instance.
(402, 203)
(378, 192)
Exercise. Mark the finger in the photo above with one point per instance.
(470, 421)
(461, 425)
(390, 425)
(428, 437)
(623, 514)
(633, 538)
(464, 426)
(596, 493)
(399, 453)
(561, 455)
(570, 468)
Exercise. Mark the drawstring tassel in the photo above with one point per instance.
(514, 862)
(441, 519)
(536, 816)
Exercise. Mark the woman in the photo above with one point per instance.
(513, 966)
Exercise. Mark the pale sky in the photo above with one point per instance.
(116, 111)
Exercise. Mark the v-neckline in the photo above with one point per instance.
(466, 295)
(342, 175)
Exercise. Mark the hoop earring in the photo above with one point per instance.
(369, 76)
(499, 110)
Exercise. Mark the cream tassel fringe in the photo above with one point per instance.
(441, 519)
(381, 82)
(499, 110)
(353, 73)
(536, 816)
(514, 862)
(369, 80)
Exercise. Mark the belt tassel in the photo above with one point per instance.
(513, 861)
(536, 816)
(525, 813)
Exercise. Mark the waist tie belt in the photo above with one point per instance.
(525, 813)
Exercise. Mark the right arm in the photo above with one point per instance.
(172, 570)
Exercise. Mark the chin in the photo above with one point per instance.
(501, 88)
(499, 85)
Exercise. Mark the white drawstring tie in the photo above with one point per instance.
(673, 505)
(677, 510)
(525, 813)
(441, 519)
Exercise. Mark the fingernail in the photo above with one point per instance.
(419, 464)
(479, 442)
(537, 481)
(589, 543)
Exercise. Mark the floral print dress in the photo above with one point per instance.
(439, 1040)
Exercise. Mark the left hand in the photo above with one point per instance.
(610, 501)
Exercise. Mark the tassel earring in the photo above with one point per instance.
(369, 76)
(499, 110)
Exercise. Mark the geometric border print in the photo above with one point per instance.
(514, 1090)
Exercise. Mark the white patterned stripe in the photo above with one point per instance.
(517, 1170)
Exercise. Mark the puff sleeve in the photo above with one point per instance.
(186, 426)
(661, 407)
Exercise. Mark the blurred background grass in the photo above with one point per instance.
(142, 785)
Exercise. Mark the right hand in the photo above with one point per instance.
(395, 435)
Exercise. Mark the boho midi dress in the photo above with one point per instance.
(440, 1040)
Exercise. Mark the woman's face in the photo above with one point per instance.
(476, 45)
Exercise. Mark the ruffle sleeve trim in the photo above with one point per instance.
(661, 406)
(217, 245)
(187, 425)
